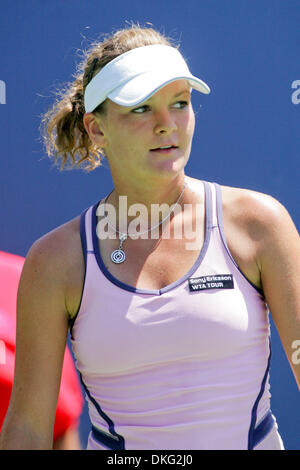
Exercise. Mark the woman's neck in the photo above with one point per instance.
(131, 200)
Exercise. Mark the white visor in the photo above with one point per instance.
(135, 76)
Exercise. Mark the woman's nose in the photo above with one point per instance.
(164, 123)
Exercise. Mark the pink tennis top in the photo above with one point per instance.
(183, 367)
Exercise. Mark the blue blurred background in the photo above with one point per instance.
(247, 133)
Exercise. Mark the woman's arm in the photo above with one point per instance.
(70, 440)
(279, 260)
(266, 246)
(42, 327)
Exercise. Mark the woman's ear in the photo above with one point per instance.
(93, 128)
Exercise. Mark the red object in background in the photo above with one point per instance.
(70, 400)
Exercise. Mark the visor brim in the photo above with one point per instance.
(143, 86)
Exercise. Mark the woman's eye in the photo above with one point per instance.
(144, 108)
(140, 109)
(180, 104)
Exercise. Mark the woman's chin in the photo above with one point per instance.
(172, 164)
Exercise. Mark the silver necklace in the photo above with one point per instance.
(118, 256)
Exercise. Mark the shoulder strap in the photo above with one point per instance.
(89, 229)
(213, 204)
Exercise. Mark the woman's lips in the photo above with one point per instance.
(164, 151)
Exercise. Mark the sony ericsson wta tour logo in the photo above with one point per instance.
(2, 92)
(295, 97)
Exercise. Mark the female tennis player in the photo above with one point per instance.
(169, 314)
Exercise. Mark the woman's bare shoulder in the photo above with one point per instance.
(253, 222)
(58, 256)
(58, 244)
(247, 207)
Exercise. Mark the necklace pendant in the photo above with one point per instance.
(118, 256)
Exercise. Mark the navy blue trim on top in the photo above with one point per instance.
(84, 252)
(263, 429)
(114, 441)
(252, 437)
(122, 285)
(222, 233)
